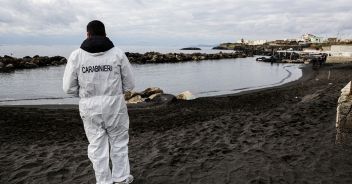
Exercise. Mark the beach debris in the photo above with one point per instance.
(186, 95)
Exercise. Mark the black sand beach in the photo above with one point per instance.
(278, 135)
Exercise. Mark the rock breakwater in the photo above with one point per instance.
(156, 57)
(8, 63)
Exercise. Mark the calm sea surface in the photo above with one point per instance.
(65, 50)
(205, 78)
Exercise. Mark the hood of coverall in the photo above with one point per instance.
(97, 44)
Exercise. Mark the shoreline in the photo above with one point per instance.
(306, 72)
(282, 134)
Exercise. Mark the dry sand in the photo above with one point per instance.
(278, 135)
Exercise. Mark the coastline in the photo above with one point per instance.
(10, 64)
(277, 134)
(307, 73)
(272, 75)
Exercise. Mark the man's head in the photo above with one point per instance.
(95, 28)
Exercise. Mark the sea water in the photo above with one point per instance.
(203, 78)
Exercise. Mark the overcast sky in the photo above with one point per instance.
(172, 22)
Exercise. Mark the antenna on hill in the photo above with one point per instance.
(337, 36)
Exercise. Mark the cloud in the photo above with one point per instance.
(171, 20)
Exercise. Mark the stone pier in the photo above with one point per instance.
(344, 116)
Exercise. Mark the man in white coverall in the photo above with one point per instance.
(100, 74)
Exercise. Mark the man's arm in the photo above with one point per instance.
(127, 76)
(70, 79)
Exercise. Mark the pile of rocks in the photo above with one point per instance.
(155, 94)
(156, 57)
(8, 63)
(144, 96)
(191, 48)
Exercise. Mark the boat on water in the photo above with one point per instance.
(266, 59)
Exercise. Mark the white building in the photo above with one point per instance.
(252, 42)
(258, 42)
(312, 38)
(340, 54)
(341, 50)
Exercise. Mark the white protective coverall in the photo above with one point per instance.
(101, 79)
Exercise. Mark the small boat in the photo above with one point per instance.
(265, 59)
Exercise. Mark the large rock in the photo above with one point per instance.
(186, 95)
(63, 60)
(158, 99)
(9, 66)
(162, 99)
(27, 59)
(135, 99)
(8, 57)
(344, 116)
(195, 58)
(36, 61)
(131, 94)
(151, 97)
(30, 65)
(150, 91)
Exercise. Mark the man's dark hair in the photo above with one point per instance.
(96, 28)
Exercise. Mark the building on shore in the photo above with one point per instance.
(310, 38)
(339, 54)
(258, 42)
(332, 40)
(252, 42)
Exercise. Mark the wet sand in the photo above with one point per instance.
(284, 134)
